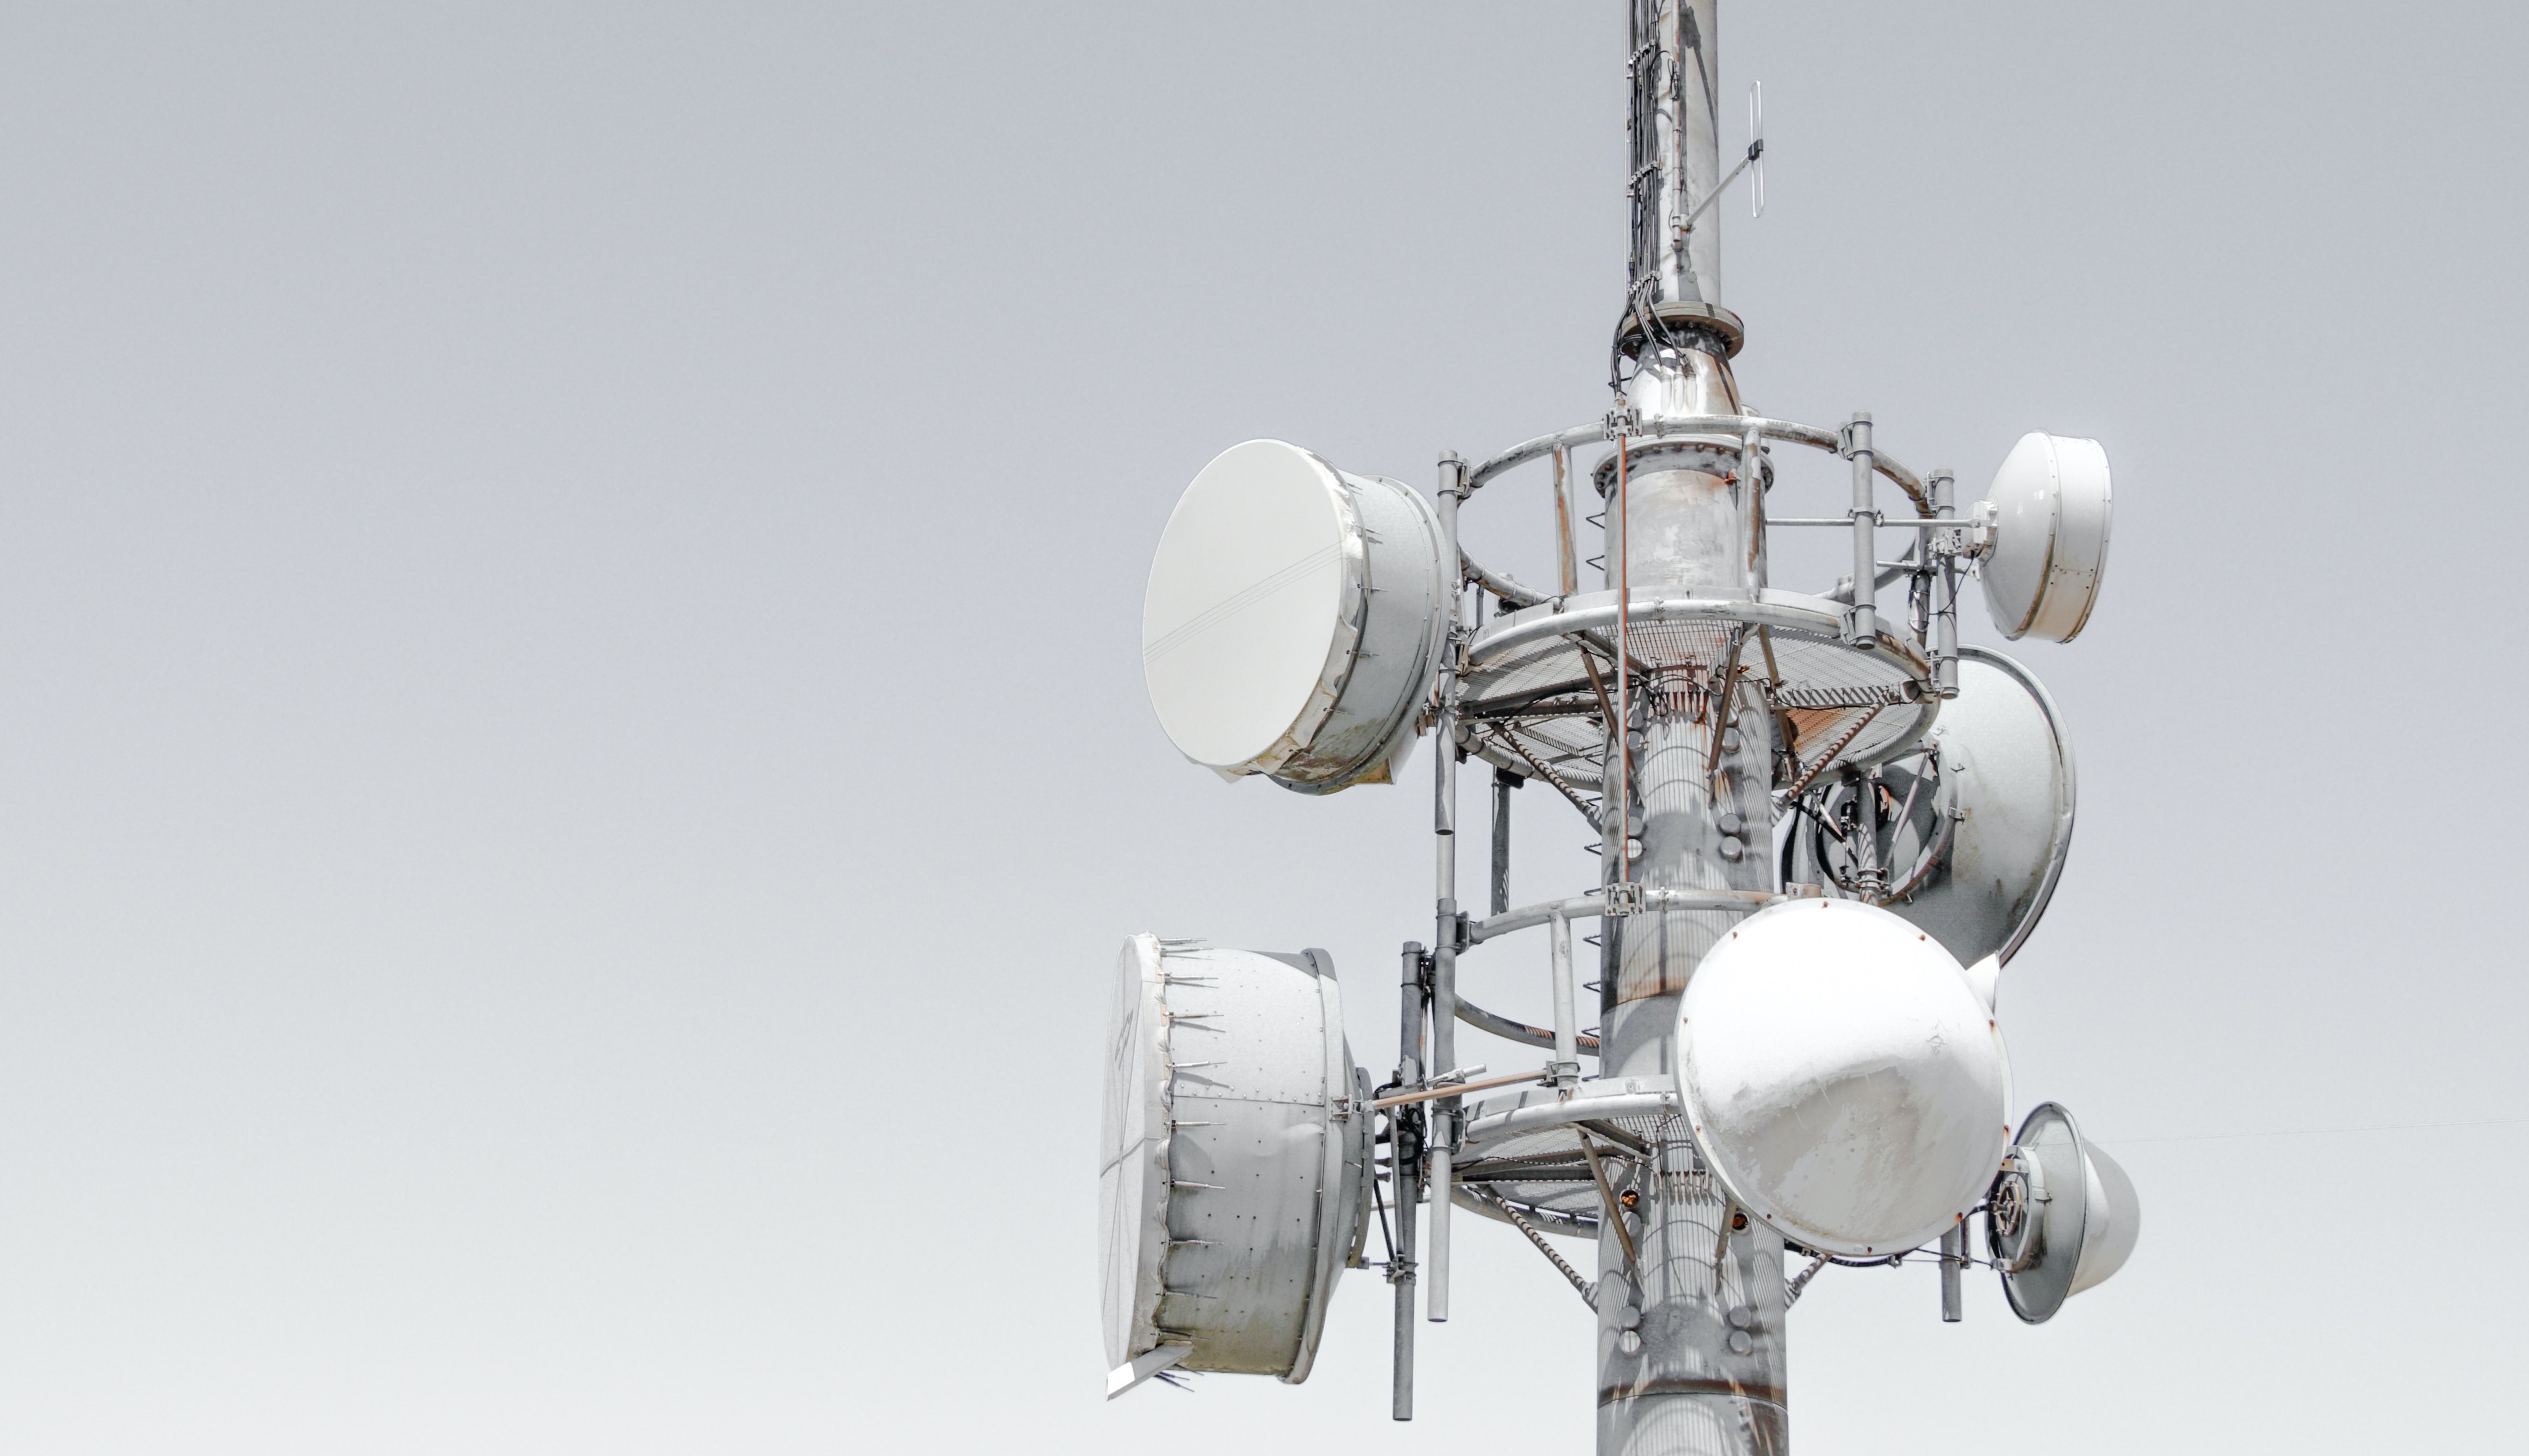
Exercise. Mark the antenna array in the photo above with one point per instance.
(1823, 829)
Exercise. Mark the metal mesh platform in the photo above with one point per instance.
(1543, 1167)
(1529, 687)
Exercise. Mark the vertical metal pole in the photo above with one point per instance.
(1953, 1247)
(1405, 1177)
(1444, 945)
(1865, 625)
(1689, 1335)
(1567, 566)
(1751, 496)
(1622, 727)
(1676, 161)
(1504, 780)
(1567, 1044)
(1945, 591)
(1868, 864)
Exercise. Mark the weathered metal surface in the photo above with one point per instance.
(1865, 625)
(1689, 763)
(1529, 668)
(1685, 843)
(1673, 124)
(1496, 1118)
(1492, 1205)
(1516, 1031)
(1454, 1089)
(1499, 583)
(1816, 436)
(1527, 1149)
(1690, 1351)
(1505, 784)
(1646, 897)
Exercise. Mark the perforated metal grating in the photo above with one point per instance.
(1543, 1168)
(1540, 695)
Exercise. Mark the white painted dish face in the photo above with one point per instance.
(2049, 536)
(1842, 1077)
(1291, 624)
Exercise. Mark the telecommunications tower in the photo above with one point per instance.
(1822, 827)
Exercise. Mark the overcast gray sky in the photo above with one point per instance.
(573, 759)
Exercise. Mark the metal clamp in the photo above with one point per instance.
(1979, 537)
(1965, 537)
(1861, 628)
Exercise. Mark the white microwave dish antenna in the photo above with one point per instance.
(1293, 620)
(1235, 1161)
(2049, 511)
(1983, 817)
(1842, 1077)
(2062, 1218)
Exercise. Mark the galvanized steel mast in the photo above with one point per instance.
(1691, 1355)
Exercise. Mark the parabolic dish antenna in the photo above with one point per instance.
(1292, 624)
(2004, 806)
(1842, 1077)
(2049, 510)
(1233, 1164)
(2062, 1218)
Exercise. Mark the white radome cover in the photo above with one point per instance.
(1231, 1160)
(1842, 1077)
(2115, 1222)
(2091, 1215)
(1291, 623)
(2051, 505)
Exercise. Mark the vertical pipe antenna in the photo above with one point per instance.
(1945, 591)
(1567, 1053)
(1504, 780)
(1444, 943)
(1865, 538)
(1405, 1177)
(1953, 1247)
